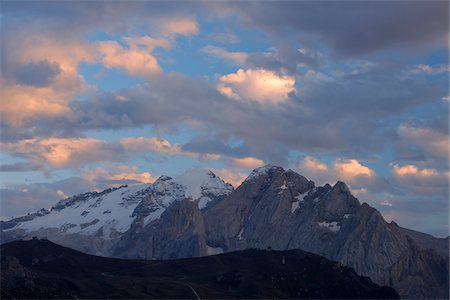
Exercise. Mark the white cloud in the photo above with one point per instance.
(259, 85)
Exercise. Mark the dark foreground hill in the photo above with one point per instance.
(42, 269)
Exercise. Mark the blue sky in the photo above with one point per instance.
(96, 94)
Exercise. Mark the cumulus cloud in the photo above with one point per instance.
(136, 60)
(258, 85)
(348, 169)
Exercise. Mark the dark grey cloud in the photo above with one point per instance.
(207, 145)
(20, 167)
(40, 73)
(353, 28)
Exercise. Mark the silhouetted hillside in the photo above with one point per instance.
(42, 269)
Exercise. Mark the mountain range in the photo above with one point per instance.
(198, 214)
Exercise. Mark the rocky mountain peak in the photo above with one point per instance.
(163, 178)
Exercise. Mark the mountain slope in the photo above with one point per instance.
(41, 269)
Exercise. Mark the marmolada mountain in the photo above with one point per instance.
(197, 214)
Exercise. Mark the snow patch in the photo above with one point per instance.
(333, 226)
(294, 206)
(346, 216)
(283, 188)
(153, 216)
(240, 237)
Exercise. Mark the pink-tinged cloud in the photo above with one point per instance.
(181, 26)
(312, 164)
(23, 102)
(427, 181)
(411, 170)
(233, 57)
(348, 169)
(119, 173)
(260, 85)
(134, 60)
(61, 152)
(249, 163)
(351, 171)
(153, 144)
(233, 177)
(433, 142)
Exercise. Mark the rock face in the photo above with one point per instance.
(198, 214)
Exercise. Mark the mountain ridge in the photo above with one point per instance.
(274, 208)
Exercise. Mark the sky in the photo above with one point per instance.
(100, 93)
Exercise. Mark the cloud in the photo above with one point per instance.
(433, 142)
(136, 60)
(225, 37)
(314, 165)
(284, 57)
(119, 173)
(343, 26)
(238, 58)
(351, 171)
(214, 145)
(348, 169)
(426, 69)
(247, 162)
(411, 170)
(231, 176)
(40, 73)
(154, 144)
(61, 152)
(424, 181)
(258, 85)
(181, 26)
